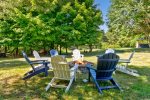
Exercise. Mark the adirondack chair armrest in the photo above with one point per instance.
(124, 61)
(106, 70)
(42, 58)
(62, 63)
(89, 66)
(39, 62)
(74, 68)
(47, 62)
(80, 54)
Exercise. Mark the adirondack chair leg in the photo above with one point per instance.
(97, 85)
(89, 76)
(68, 87)
(126, 65)
(49, 84)
(115, 84)
(75, 78)
(46, 71)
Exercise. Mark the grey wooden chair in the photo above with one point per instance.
(62, 71)
(124, 68)
(127, 61)
(38, 57)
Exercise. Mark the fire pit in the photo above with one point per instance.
(82, 70)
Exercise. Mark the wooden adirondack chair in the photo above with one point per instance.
(127, 61)
(37, 56)
(76, 55)
(53, 52)
(42, 67)
(62, 71)
(124, 68)
(105, 66)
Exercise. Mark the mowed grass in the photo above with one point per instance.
(12, 87)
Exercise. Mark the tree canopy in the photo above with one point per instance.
(47, 24)
(128, 21)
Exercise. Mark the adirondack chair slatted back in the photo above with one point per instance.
(28, 60)
(60, 67)
(131, 55)
(36, 54)
(53, 52)
(106, 65)
(77, 55)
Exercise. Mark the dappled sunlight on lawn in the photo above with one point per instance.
(12, 86)
(144, 79)
(138, 58)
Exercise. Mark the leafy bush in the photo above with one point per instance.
(106, 45)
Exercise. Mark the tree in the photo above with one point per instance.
(87, 23)
(125, 17)
(47, 24)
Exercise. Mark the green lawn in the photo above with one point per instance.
(12, 87)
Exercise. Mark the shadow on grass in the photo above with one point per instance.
(138, 86)
(6, 65)
(16, 88)
(134, 87)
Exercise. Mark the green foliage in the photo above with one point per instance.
(106, 45)
(128, 18)
(49, 23)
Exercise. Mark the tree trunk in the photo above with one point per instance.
(90, 48)
(31, 51)
(17, 51)
(60, 49)
(77, 46)
(52, 45)
(45, 52)
(5, 49)
(57, 48)
(66, 50)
